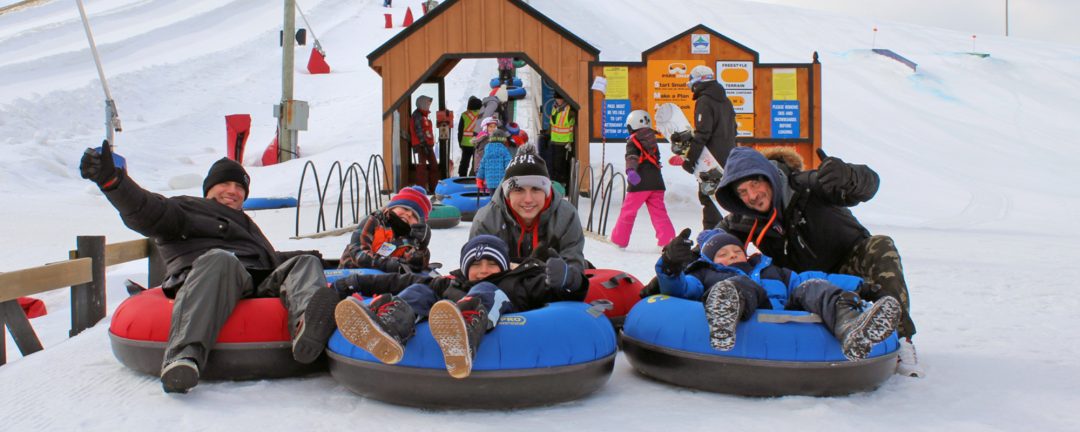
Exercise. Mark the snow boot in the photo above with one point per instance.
(722, 308)
(908, 364)
(380, 328)
(315, 326)
(860, 325)
(458, 328)
(180, 376)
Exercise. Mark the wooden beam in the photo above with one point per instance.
(119, 253)
(37, 280)
(20, 328)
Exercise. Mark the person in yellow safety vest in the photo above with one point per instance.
(562, 138)
(465, 131)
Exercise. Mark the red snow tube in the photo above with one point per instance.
(237, 126)
(254, 343)
(622, 289)
(32, 307)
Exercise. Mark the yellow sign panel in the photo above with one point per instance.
(618, 82)
(667, 84)
(785, 85)
(744, 124)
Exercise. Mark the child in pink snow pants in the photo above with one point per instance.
(646, 183)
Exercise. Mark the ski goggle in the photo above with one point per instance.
(698, 79)
(676, 68)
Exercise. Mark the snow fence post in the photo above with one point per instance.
(88, 299)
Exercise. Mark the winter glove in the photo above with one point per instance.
(398, 225)
(633, 177)
(542, 251)
(653, 288)
(834, 175)
(688, 167)
(678, 254)
(420, 232)
(480, 184)
(559, 275)
(447, 288)
(99, 167)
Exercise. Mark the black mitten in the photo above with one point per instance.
(559, 274)
(678, 254)
(99, 167)
(834, 175)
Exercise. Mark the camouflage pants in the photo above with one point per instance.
(877, 261)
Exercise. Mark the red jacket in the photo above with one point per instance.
(421, 129)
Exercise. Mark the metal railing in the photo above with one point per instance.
(374, 179)
(602, 187)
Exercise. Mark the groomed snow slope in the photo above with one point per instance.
(973, 154)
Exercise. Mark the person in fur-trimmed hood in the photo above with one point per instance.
(526, 211)
(801, 219)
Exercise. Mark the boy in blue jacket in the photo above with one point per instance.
(733, 287)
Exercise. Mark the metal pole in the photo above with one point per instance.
(112, 118)
(1006, 18)
(288, 51)
(318, 47)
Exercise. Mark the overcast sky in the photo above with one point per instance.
(1048, 20)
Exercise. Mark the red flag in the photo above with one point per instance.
(238, 126)
(317, 63)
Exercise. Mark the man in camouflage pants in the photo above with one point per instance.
(801, 219)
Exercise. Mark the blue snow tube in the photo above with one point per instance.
(468, 203)
(561, 352)
(454, 185)
(515, 92)
(333, 275)
(667, 338)
(269, 203)
(516, 82)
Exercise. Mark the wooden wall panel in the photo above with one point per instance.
(763, 89)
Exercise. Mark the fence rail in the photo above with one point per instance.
(84, 272)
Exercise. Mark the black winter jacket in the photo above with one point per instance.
(714, 124)
(651, 178)
(526, 286)
(186, 227)
(812, 230)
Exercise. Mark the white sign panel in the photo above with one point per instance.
(735, 75)
(699, 43)
(742, 100)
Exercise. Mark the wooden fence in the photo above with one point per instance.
(84, 272)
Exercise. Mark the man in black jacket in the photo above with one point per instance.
(714, 129)
(801, 220)
(215, 255)
(461, 307)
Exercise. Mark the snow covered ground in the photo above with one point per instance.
(973, 154)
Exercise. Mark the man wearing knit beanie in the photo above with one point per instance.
(216, 255)
(225, 181)
(525, 211)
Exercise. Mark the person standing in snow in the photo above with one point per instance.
(714, 129)
(461, 307)
(393, 239)
(494, 158)
(561, 140)
(646, 183)
(801, 219)
(527, 214)
(423, 144)
(215, 255)
(467, 128)
(733, 287)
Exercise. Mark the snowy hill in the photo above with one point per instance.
(974, 156)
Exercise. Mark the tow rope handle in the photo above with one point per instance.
(614, 281)
(599, 306)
